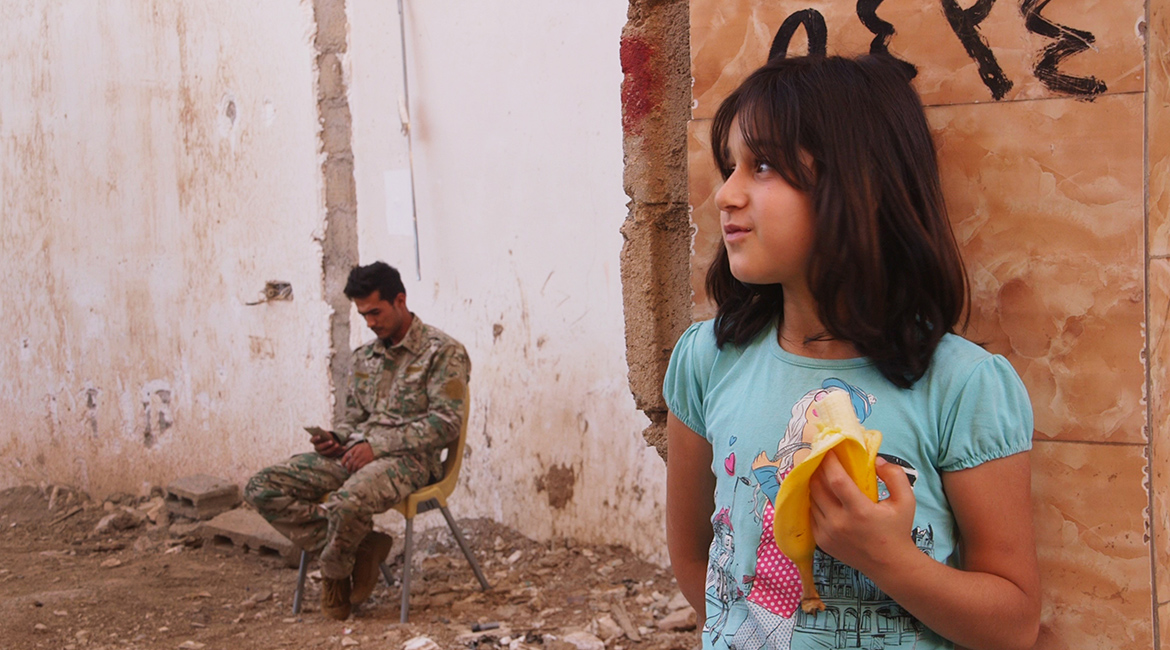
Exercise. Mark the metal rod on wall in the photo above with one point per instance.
(404, 116)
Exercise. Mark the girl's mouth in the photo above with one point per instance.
(732, 232)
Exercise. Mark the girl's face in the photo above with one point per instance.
(767, 223)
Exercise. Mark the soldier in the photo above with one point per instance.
(404, 405)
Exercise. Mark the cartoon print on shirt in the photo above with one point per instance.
(720, 587)
(858, 614)
(773, 596)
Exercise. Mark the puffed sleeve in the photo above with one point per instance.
(990, 417)
(687, 375)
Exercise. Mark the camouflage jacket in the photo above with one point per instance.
(407, 399)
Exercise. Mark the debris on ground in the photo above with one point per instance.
(163, 583)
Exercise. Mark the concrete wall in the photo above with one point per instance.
(517, 143)
(158, 165)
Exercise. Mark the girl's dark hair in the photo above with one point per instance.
(885, 269)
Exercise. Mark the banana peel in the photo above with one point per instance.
(839, 431)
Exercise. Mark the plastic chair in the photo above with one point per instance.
(422, 500)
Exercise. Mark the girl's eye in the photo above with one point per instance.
(763, 168)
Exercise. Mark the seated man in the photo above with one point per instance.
(404, 405)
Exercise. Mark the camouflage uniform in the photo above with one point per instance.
(407, 402)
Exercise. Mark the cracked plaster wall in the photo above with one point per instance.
(163, 162)
(517, 142)
(160, 165)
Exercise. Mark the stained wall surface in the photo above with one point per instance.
(163, 161)
(159, 166)
(1044, 172)
(517, 157)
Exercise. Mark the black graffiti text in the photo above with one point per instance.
(814, 27)
(1069, 41)
(965, 24)
(882, 31)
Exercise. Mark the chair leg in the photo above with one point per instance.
(386, 575)
(406, 569)
(466, 551)
(300, 592)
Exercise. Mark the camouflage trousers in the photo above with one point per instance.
(322, 507)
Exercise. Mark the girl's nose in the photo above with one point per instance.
(730, 194)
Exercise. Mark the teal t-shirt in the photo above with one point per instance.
(752, 404)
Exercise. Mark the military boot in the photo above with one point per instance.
(335, 598)
(371, 553)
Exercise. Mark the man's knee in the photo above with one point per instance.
(372, 493)
(260, 490)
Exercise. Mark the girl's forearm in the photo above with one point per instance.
(690, 501)
(973, 609)
(691, 575)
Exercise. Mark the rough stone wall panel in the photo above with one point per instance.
(655, 106)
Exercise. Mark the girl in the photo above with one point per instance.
(839, 271)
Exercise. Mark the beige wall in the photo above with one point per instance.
(1046, 193)
(159, 166)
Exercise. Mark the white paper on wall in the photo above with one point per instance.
(399, 203)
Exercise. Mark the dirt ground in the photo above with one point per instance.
(158, 585)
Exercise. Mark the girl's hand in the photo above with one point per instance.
(865, 535)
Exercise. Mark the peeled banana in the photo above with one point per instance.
(837, 429)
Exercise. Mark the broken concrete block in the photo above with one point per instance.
(184, 529)
(153, 509)
(143, 545)
(584, 641)
(201, 496)
(261, 596)
(607, 628)
(679, 621)
(677, 602)
(121, 519)
(420, 643)
(248, 530)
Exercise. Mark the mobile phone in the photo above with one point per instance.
(318, 431)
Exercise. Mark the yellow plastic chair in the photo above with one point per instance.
(422, 500)
(431, 497)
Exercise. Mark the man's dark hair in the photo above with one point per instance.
(885, 268)
(379, 276)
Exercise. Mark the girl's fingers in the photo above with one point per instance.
(896, 481)
(838, 482)
(819, 493)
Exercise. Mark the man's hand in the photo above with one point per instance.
(326, 445)
(358, 456)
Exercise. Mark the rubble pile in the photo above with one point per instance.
(129, 573)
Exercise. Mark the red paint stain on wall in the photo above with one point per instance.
(641, 87)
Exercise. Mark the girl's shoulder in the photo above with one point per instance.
(956, 359)
(697, 344)
(697, 348)
(985, 409)
(962, 372)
